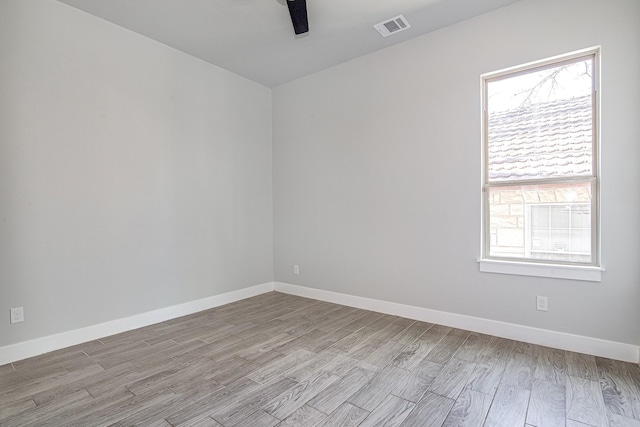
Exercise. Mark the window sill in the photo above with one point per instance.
(589, 274)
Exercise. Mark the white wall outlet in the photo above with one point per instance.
(542, 303)
(296, 269)
(17, 314)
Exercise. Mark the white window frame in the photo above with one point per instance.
(544, 268)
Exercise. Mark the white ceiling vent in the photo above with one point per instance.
(392, 26)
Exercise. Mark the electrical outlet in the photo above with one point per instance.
(542, 303)
(296, 269)
(17, 314)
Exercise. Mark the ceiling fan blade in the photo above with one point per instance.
(298, 12)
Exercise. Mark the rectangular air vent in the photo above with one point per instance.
(392, 26)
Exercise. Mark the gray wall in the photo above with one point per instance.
(131, 180)
(132, 176)
(377, 171)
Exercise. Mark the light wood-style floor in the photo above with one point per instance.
(277, 359)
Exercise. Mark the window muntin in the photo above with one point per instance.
(540, 155)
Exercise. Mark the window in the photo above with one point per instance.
(558, 231)
(540, 164)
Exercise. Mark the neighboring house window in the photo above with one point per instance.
(540, 165)
(558, 232)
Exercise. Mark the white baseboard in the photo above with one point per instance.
(545, 337)
(23, 350)
(561, 340)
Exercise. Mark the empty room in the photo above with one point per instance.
(320, 213)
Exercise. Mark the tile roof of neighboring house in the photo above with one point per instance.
(553, 139)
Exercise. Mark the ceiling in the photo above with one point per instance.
(255, 38)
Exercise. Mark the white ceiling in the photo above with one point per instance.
(255, 38)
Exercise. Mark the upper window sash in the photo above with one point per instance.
(556, 101)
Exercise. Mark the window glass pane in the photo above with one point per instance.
(560, 216)
(540, 216)
(580, 217)
(540, 123)
(560, 240)
(540, 239)
(543, 222)
(580, 241)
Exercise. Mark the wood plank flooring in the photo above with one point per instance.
(281, 360)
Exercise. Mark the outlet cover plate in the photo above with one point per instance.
(17, 315)
(542, 303)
